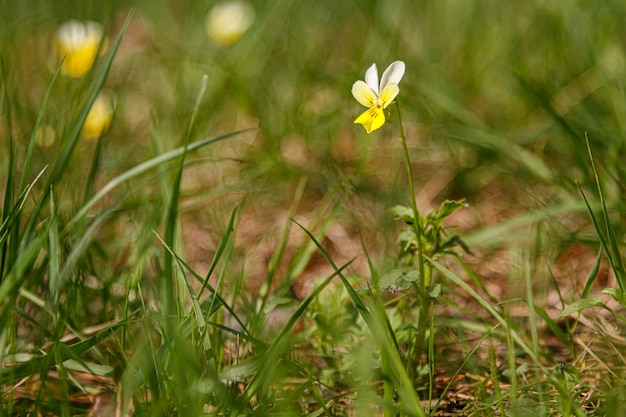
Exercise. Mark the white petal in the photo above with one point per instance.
(364, 94)
(74, 34)
(371, 78)
(393, 74)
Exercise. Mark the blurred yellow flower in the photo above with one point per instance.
(99, 117)
(79, 43)
(228, 21)
(376, 97)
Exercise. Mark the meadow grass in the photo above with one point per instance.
(232, 244)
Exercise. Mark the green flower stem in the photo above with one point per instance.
(424, 270)
(424, 278)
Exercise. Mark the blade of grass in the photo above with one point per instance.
(93, 170)
(612, 249)
(603, 242)
(221, 247)
(591, 278)
(168, 287)
(7, 255)
(54, 256)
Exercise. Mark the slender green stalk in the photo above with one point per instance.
(431, 359)
(168, 287)
(425, 280)
(425, 275)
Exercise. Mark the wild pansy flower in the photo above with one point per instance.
(377, 96)
(99, 117)
(79, 43)
(228, 21)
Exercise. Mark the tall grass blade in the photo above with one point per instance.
(612, 249)
(7, 255)
(171, 219)
(54, 256)
(606, 246)
(221, 247)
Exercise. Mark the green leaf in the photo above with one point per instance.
(617, 294)
(398, 280)
(582, 304)
(448, 207)
(434, 291)
(403, 213)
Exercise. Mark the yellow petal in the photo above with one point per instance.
(372, 118)
(363, 94)
(79, 61)
(389, 93)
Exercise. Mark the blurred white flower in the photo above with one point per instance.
(79, 43)
(99, 117)
(228, 21)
